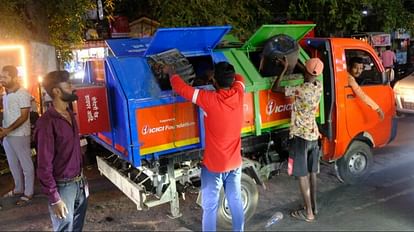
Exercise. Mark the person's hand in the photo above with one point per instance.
(380, 113)
(210, 75)
(284, 61)
(60, 210)
(168, 69)
(3, 132)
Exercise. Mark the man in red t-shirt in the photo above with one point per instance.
(223, 117)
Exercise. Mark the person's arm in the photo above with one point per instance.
(394, 58)
(24, 104)
(24, 115)
(45, 155)
(196, 96)
(276, 85)
(239, 82)
(365, 98)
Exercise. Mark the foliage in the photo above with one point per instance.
(338, 17)
(62, 22)
(12, 20)
(66, 24)
(58, 22)
(244, 15)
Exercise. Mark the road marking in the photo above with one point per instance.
(385, 199)
(398, 181)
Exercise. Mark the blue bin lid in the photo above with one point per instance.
(128, 47)
(188, 40)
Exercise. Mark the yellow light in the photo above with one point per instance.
(40, 79)
(21, 49)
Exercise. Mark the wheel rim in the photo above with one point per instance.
(357, 163)
(245, 201)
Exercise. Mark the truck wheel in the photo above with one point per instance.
(250, 197)
(354, 166)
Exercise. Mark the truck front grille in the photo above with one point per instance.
(407, 105)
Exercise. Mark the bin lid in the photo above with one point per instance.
(296, 31)
(128, 47)
(188, 40)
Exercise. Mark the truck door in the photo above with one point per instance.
(360, 118)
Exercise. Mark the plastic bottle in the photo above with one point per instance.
(276, 217)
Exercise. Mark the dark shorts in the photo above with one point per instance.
(303, 156)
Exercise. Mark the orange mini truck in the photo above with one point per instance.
(156, 138)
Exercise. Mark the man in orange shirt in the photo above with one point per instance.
(222, 161)
(355, 68)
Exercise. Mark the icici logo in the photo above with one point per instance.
(145, 129)
(273, 108)
(271, 105)
(152, 130)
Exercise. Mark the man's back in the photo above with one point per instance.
(388, 58)
(223, 116)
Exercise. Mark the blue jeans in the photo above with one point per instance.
(73, 195)
(211, 184)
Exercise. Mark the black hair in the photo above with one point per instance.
(355, 60)
(53, 79)
(224, 74)
(11, 70)
(387, 47)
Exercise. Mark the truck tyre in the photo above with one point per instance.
(250, 197)
(355, 165)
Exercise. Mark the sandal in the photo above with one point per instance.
(301, 215)
(11, 193)
(315, 211)
(24, 200)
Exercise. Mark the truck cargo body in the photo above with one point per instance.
(158, 137)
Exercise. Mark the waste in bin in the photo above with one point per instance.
(274, 50)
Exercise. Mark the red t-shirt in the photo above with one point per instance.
(223, 118)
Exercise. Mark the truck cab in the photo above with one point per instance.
(352, 128)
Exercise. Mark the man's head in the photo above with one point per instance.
(355, 66)
(313, 68)
(8, 77)
(388, 48)
(224, 74)
(57, 85)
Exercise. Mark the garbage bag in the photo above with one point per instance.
(276, 48)
(171, 57)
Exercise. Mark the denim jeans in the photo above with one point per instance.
(73, 195)
(211, 184)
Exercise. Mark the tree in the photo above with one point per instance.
(245, 16)
(58, 22)
(339, 17)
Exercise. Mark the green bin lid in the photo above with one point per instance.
(296, 31)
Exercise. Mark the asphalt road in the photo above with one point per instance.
(385, 201)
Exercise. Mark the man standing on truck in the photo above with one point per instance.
(304, 149)
(59, 156)
(223, 118)
(355, 68)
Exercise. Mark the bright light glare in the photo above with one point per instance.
(79, 74)
(22, 59)
(365, 12)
